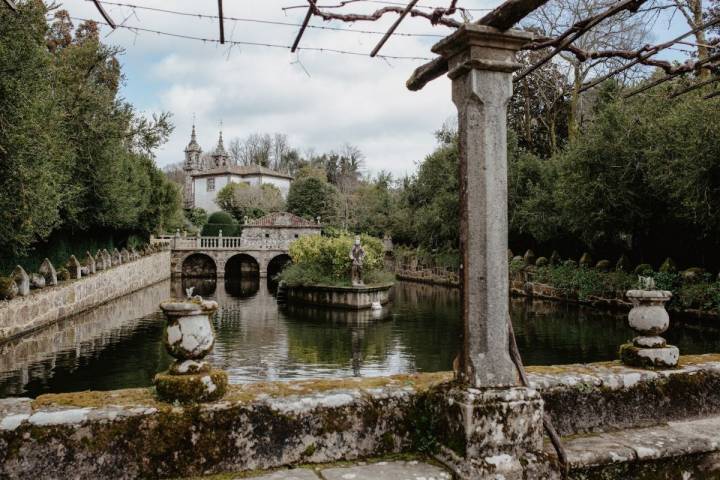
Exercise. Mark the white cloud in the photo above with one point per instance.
(346, 98)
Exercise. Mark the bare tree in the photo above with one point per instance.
(175, 173)
(694, 14)
(624, 31)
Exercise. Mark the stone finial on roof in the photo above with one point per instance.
(193, 146)
(220, 155)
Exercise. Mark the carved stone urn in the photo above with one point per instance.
(189, 337)
(649, 318)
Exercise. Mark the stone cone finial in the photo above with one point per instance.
(189, 337)
(649, 318)
(22, 280)
(89, 263)
(74, 267)
(48, 271)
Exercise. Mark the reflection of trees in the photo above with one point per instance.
(431, 327)
(116, 345)
(332, 340)
(554, 333)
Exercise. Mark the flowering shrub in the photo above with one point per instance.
(323, 260)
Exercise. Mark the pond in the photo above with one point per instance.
(118, 345)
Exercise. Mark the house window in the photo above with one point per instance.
(210, 184)
(297, 236)
(267, 235)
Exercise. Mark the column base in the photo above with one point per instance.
(662, 357)
(506, 467)
(492, 431)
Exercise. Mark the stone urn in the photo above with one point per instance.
(649, 318)
(189, 337)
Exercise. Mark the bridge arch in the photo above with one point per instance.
(242, 265)
(198, 265)
(276, 264)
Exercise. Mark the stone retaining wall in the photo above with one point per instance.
(351, 298)
(130, 434)
(43, 307)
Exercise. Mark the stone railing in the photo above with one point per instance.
(39, 299)
(177, 242)
(432, 275)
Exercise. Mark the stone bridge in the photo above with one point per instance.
(262, 247)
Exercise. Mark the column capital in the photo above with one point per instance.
(479, 47)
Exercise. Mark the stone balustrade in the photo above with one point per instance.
(223, 243)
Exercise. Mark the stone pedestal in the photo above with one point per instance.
(189, 337)
(649, 318)
(493, 433)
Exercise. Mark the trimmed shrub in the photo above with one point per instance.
(603, 265)
(221, 221)
(585, 260)
(668, 266)
(623, 264)
(643, 269)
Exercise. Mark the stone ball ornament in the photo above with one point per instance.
(649, 318)
(189, 336)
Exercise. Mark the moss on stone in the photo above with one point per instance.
(63, 274)
(198, 387)
(8, 288)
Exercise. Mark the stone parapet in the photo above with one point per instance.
(46, 306)
(130, 434)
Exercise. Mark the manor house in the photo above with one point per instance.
(205, 175)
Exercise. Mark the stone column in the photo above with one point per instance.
(488, 416)
(481, 61)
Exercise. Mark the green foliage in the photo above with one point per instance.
(81, 158)
(197, 216)
(311, 197)
(221, 221)
(322, 260)
(586, 282)
(429, 206)
(242, 200)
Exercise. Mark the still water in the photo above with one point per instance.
(118, 345)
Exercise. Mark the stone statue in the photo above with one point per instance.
(357, 255)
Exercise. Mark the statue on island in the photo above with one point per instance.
(357, 255)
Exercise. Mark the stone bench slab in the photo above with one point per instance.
(682, 449)
(409, 470)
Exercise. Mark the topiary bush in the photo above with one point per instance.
(322, 260)
(221, 221)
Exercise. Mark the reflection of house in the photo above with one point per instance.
(205, 176)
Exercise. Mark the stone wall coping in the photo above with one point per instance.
(309, 394)
(328, 288)
(315, 421)
(614, 375)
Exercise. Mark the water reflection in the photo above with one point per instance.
(119, 344)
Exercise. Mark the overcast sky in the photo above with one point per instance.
(320, 100)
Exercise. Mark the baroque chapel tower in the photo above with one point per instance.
(190, 167)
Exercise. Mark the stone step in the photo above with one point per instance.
(396, 470)
(681, 450)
